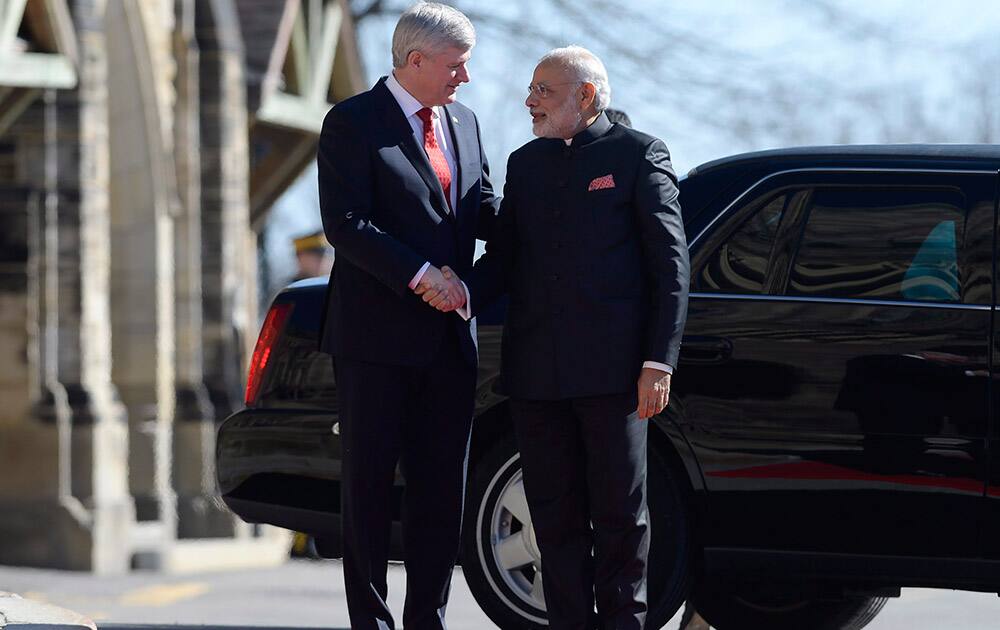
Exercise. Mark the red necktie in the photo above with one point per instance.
(436, 155)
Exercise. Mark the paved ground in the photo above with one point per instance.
(308, 594)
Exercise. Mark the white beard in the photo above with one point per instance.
(559, 123)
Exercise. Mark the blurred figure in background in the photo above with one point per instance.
(618, 116)
(314, 256)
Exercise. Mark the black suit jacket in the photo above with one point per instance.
(598, 279)
(385, 214)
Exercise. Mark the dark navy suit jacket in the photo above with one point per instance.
(590, 246)
(385, 214)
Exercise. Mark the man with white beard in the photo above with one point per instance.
(589, 244)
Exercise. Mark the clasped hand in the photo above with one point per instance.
(441, 289)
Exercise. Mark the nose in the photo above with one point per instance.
(532, 100)
(463, 75)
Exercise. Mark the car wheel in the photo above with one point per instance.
(500, 556)
(728, 608)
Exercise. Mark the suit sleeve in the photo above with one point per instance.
(665, 252)
(490, 275)
(489, 202)
(346, 193)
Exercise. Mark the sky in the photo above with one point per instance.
(895, 50)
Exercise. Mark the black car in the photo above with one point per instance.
(833, 430)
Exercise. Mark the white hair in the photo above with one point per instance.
(586, 67)
(430, 27)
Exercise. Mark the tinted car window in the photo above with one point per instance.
(739, 265)
(881, 244)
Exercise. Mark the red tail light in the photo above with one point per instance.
(269, 333)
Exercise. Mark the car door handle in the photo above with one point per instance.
(705, 350)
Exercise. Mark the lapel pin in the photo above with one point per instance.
(454, 119)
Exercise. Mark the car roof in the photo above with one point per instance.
(887, 154)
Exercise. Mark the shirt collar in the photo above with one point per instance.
(407, 102)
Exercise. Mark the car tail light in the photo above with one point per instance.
(269, 334)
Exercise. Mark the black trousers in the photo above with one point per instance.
(584, 463)
(420, 417)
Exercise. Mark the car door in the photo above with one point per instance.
(991, 525)
(834, 377)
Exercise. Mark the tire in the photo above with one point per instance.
(726, 608)
(497, 528)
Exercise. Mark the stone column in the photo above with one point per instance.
(143, 200)
(229, 321)
(199, 514)
(63, 495)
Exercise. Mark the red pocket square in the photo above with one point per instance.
(601, 183)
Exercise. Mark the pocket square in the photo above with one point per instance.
(600, 183)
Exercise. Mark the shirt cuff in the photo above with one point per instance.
(465, 311)
(420, 274)
(658, 366)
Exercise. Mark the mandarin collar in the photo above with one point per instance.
(598, 128)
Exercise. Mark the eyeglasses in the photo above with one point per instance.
(543, 91)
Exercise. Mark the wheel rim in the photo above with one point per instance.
(507, 545)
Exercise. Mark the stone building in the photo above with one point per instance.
(141, 145)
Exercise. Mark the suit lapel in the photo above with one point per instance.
(413, 151)
(464, 146)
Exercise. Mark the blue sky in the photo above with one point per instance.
(895, 50)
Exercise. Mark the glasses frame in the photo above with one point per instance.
(543, 90)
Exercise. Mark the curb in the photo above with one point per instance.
(17, 613)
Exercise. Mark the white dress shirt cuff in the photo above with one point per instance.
(658, 366)
(420, 274)
(465, 311)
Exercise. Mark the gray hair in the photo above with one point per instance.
(586, 67)
(430, 27)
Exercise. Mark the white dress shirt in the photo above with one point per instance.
(410, 107)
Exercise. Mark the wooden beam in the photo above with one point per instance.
(348, 73)
(11, 13)
(52, 26)
(322, 74)
(315, 25)
(12, 105)
(37, 70)
(273, 175)
(280, 52)
(297, 76)
(293, 112)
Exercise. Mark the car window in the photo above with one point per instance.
(739, 265)
(882, 244)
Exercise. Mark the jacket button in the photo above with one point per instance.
(555, 277)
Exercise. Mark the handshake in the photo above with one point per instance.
(441, 288)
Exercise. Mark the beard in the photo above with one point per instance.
(559, 123)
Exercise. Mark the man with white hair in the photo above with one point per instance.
(590, 246)
(404, 192)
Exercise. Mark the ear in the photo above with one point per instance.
(587, 94)
(415, 58)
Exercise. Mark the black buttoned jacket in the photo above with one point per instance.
(385, 213)
(589, 244)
